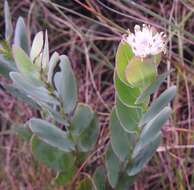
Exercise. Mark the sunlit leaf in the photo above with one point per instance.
(123, 56)
(140, 74)
(37, 46)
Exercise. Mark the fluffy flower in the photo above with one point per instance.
(146, 41)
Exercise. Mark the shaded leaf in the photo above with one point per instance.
(83, 117)
(52, 157)
(88, 137)
(99, 178)
(85, 184)
(64, 177)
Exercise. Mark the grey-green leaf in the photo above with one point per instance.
(112, 164)
(144, 156)
(88, 137)
(65, 84)
(8, 23)
(21, 37)
(120, 140)
(159, 104)
(152, 129)
(51, 135)
(82, 118)
(152, 88)
(37, 93)
(54, 60)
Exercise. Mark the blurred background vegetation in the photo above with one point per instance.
(89, 32)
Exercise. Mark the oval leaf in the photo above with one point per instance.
(159, 104)
(123, 56)
(112, 164)
(24, 63)
(20, 36)
(37, 46)
(152, 88)
(129, 117)
(51, 135)
(82, 118)
(140, 74)
(144, 156)
(120, 140)
(65, 84)
(126, 94)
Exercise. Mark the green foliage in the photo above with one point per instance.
(66, 135)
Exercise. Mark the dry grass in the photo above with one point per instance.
(89, 33)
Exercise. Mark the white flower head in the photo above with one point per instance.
(146, 41)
